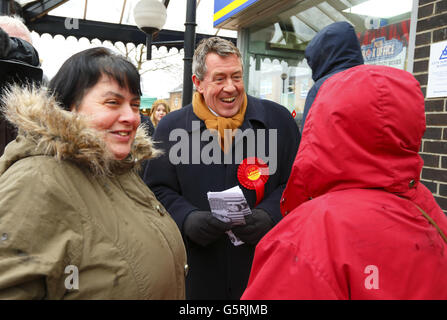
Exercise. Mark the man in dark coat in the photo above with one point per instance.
(335, 48)
(19, 63)
(226, 139)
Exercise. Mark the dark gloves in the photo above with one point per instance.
(256, 226)
(203, 228)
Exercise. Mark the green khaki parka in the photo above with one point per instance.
(74, 225)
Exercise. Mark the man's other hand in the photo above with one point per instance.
(203, 228)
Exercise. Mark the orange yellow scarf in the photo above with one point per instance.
(213, 122)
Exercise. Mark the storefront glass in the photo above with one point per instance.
(278, 70)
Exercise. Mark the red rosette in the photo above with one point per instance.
(253, 174)
(294, 114)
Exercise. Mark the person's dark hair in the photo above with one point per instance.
(84, 69)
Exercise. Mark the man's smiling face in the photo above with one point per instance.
(222, 86)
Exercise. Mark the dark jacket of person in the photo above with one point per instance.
(149, 127)
(19, 63)
(335, 48)
(219, 270)
(146, 121)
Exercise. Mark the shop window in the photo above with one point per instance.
(387, 44)
(276, 44)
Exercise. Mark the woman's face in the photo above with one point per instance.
(115, 111)
(160, 112)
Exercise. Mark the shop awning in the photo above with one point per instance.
(313, 13)
(110, 20)
(103, 31)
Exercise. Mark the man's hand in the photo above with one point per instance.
(203, 228)
(256, 226)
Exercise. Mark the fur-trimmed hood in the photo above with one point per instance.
(44, 128)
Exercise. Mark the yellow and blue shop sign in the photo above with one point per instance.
(225, 9)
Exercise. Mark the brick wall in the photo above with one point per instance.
(432, 28)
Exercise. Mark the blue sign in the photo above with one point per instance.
(225, 9)
(443, 54)
(381, 48)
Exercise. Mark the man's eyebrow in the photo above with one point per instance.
(221, 73)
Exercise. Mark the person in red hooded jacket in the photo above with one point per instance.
(359, 224)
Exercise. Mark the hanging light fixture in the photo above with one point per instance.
(150, 16)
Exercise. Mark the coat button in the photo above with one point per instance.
(186, 269)
(283, 199)
(412, 183)
(160, 210)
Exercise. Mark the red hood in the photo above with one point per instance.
(363, 131)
